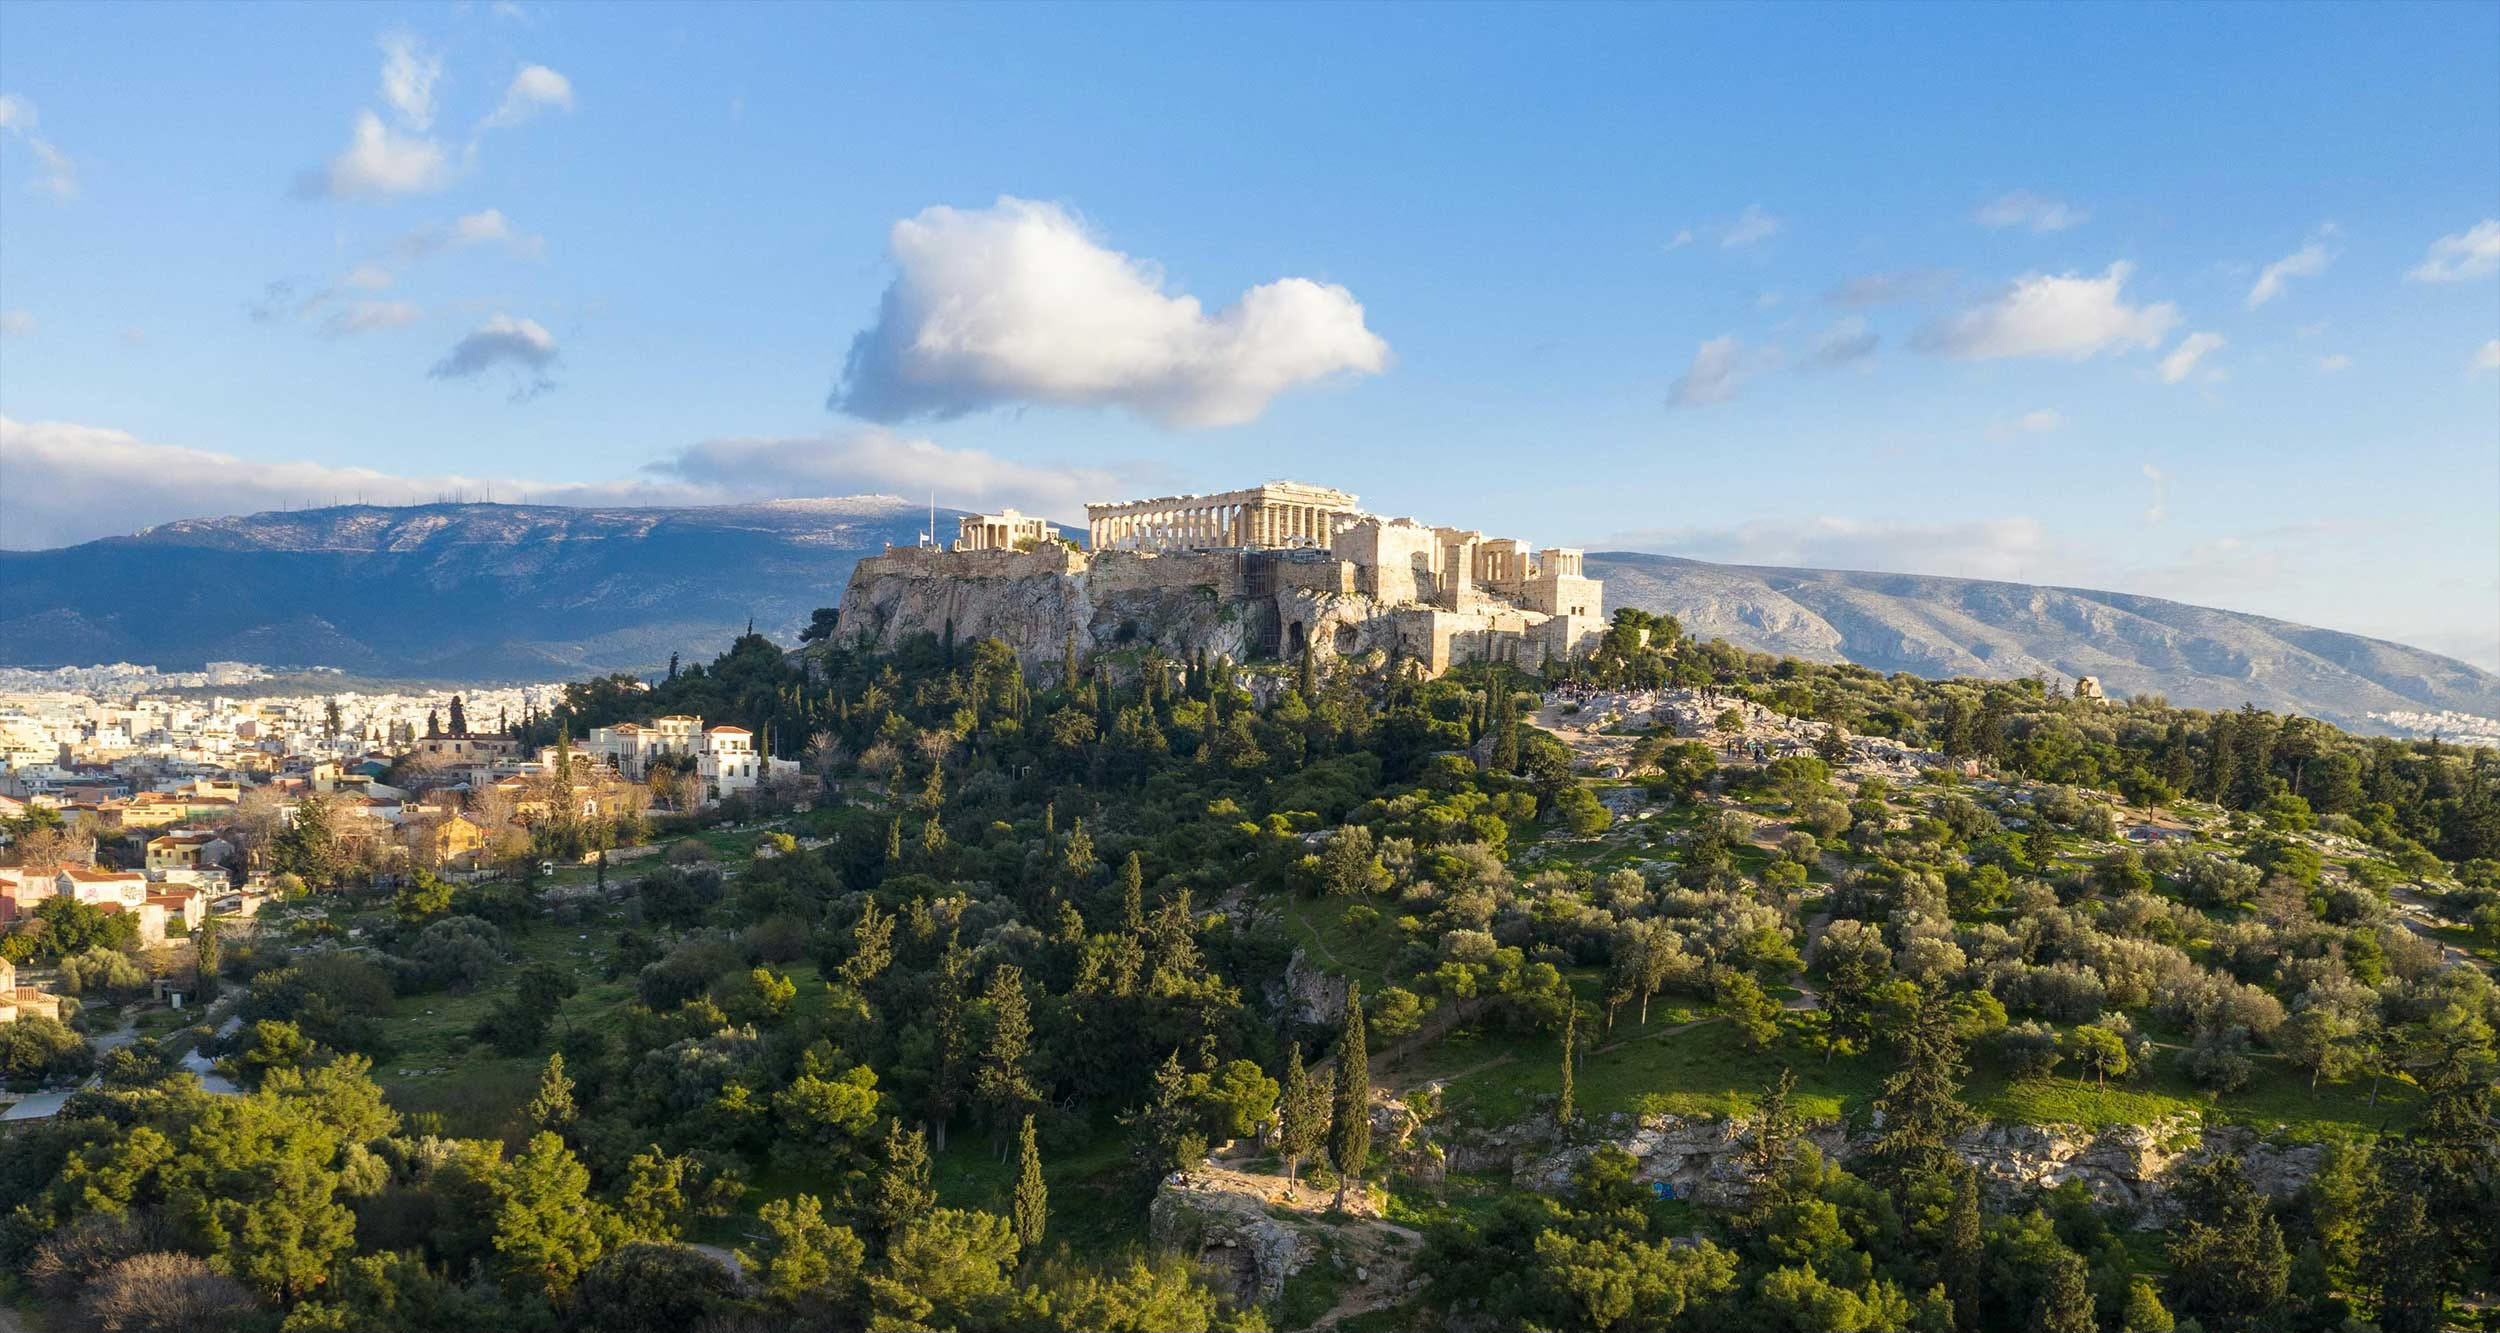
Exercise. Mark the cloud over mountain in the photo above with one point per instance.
(1019, 303)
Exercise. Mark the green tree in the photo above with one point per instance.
(1303, 1116)
(1921, 1102)
(547, 1227)
(1032, 1212)
(2228, 1267)
(1563, 1108)
(903, 1187)
(803, 1260)
(551, 1108)
(1165, 1134)
(1133, 894)
(1351, 863)
(1002, 1083)
(1350, 1128)
(947, 1268)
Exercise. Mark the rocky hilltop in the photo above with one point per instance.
(481, 591)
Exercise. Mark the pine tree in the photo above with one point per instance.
(1775, 1135)
(1163, 1134)
(1350, 1134)
(1133, 894)
(1563, 1109)
(552, 1108)
(2145, 1313)
(1003, 1083)
(903, 1189)
(1921, 1103)
(1301, 1116)
(1032, 1214)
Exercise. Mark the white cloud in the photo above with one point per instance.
(877, 460)
(371, 317)
(520, 346)
(485, 227)
(536, 88)
(2182, 360)
(83, 482)
(2334, 363)
(1848, 340)
(2066, 315)
(59, 177)
(2022, 208)
(1751, 227)
(2038, 421)
(2308, 261)
(367, 277)
(16, 323)
(2004, 548)
(2159, 510)
(1718, 367)
(2487, 357)
(1018, 303)
(2473, 253)
(380, 162)
(409, 72)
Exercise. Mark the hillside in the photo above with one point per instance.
(475, 591)
(1929, 626)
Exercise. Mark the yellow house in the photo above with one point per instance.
(445, 840)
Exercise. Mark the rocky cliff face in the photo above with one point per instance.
(2129, 1167)
(1034, 600)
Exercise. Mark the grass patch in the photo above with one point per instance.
(1702, 1070)
(1331, 945)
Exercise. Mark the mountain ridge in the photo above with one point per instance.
(518, 591)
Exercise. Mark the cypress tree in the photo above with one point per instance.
(894, 841)
(1032, 1212)
(1350, 1136)
(1301, 1116)
(1133, 894)
(1965, 1258)
(1571, 1031)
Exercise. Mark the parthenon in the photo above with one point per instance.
(1279, 514)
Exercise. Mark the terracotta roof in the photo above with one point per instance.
(739, 731)
(92, 875)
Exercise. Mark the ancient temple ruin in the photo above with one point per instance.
(1269, 572)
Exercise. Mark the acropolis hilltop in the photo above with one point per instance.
(1263, 573)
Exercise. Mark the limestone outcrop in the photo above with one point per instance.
(1231, 1234)
(2128, 1167)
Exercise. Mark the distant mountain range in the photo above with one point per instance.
(512, 592)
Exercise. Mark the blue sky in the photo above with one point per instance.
(1968, 290)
